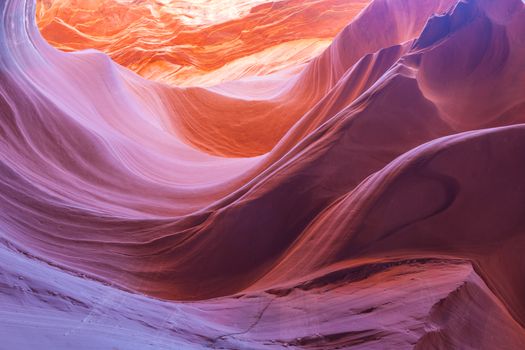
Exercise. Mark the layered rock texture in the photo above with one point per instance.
(255, 175)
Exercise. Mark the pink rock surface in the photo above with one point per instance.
(372, 199)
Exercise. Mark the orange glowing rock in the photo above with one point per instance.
(197, 42)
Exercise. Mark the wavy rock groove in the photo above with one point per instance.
(262, 175)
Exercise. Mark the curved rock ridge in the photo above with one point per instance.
(372, 198)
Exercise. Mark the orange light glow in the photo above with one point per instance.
(197, 42)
